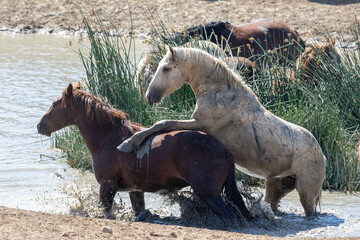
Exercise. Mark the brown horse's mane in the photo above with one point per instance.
(100, 111)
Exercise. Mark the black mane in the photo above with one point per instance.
(206, 29)
(205, 32)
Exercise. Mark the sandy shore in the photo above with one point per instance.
(21, 224)
(310, 18)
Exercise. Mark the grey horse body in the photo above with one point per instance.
(263, 145)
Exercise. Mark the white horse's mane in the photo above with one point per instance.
(221, 73)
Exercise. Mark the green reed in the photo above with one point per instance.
(329, 109)
(72, 144)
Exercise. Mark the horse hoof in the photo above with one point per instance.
(142, 215)
(125, 147)
(110, 216)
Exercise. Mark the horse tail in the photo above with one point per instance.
(318, 202)
(231, 190)
(318, 198)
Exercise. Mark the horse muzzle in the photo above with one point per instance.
(152, 98)
(43, 129)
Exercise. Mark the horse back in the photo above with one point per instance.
(176, 159)
(262, 35)
(262, 28)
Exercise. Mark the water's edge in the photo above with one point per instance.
(34, 70)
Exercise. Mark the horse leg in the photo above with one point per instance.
(137, 201)
(211, 195)
(277, 188)
(233, 193)
(164, 125)
(107, 194)
(219, 207)
(309, 190)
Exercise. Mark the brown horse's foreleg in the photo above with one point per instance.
(107, 194)
(277, 188)
(137, 202)
(129, 144)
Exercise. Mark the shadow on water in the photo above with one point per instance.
(289, 222)
(285, 225)
(339, 217)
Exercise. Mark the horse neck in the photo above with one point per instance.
(96, 135)
(212, 75)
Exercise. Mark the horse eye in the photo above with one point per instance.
(166, 68)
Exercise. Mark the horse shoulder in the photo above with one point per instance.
(203, 115)
(219, 109)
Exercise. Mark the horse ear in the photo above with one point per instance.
(69, 90)
(172, 51)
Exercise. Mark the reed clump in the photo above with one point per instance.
(327, 103)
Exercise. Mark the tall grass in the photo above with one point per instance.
(329, 109)
(110, 67)
(72, 144)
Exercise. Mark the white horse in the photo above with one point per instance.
(263, 145)
(147, 65)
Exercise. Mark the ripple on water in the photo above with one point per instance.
(34, 70)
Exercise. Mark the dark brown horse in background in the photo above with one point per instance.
(166, 161)
(253, 38)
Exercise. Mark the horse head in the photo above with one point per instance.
(311, 60)
(331, 52)
(168, 77)
(59, 114)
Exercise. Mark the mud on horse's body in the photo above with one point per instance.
(263, 145)
(168, 161)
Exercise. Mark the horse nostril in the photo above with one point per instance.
(41, 127)
(148, 98)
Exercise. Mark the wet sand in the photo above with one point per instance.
(22, 224)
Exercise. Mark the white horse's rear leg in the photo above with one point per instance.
(309, 189)
(277, 188)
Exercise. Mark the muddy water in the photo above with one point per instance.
(34, 69)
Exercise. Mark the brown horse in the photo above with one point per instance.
(309, 63)
(166, 161)
(252, 38)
